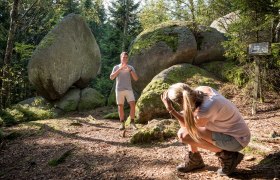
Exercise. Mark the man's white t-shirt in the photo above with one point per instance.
(123, 79)
(223, 116)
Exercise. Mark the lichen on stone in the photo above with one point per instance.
(164, 32)
(156, 130)
(47, 41)
(150, 106)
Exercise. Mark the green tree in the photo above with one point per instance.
(123, 17)
(154, 12)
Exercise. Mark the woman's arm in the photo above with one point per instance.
(201, 122)
(168, 105)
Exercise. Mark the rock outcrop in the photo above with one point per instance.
(150, 106)
(67, 56)
(173, 43)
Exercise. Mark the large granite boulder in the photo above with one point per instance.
(67, 56)
(171, 43)
(90, 99)
(149, 106)
(69, 102)
(159, 48)
(209, 45)
(81, 100)
(222, 24)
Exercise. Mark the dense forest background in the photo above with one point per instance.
(115, 24)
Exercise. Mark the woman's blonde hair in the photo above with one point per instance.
(189, 100)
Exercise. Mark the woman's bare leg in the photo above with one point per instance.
(205, 142)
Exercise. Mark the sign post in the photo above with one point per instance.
(257, 50)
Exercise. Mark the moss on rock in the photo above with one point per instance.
(229, 71)
(47, 41)
(164, 32)
(150, 106)
(21, 113)
(156, 130)
(91, 99)
(112, 99)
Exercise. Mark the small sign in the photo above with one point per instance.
(259, 48)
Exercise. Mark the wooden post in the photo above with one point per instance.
(256, 84)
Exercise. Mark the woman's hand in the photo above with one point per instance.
(166, 101)
(182, 133)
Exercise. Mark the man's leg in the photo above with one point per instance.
(121, 115)
(132, 114)
(120, 102)
(131, 101)
(132, 109)
(121, 112)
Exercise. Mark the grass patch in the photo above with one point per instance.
(251, 150)
(56, 161)
(113, 115)
(23, 113)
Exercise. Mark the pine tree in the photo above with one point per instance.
(123, 17)
(154, 12)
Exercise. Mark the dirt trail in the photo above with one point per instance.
(94, 148)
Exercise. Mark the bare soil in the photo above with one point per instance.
(90, 147)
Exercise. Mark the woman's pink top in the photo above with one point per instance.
(223, 116)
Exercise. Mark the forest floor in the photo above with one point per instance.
(86, 146)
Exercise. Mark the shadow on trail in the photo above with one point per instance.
(268, 168)
(75, 136)
(99, 125)
(35, 158)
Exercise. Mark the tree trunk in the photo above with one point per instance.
(125, 26)
(11, 35)
(277, 33)
(256, 85)
(5, 90)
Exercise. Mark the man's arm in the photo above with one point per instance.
(134, 75)
(114, 74)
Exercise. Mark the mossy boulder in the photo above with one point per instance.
(112, 99)
(91, 99)
(160, 47)
(156, 130)
(70, 100)
(150, 106)
(22, 113)
(228, 71)
(222, 24)
(37, 101)
(67, 56)
(209, 45)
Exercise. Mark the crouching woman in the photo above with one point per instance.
(209, 121)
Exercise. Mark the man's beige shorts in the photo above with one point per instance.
(121, 95)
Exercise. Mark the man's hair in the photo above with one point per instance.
(123, 53)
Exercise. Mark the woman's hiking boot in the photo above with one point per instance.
(228, 160)
(192, 161)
